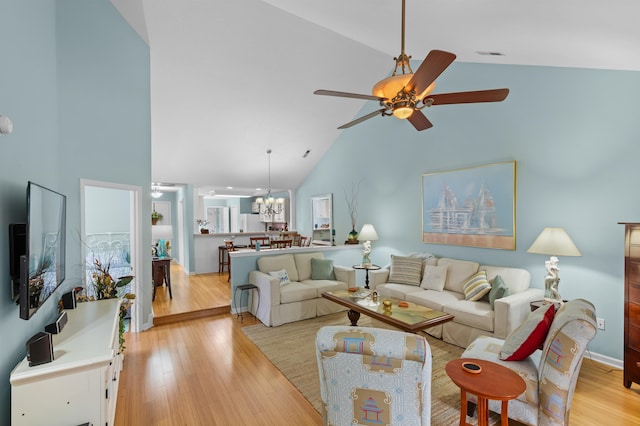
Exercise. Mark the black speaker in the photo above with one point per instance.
(69, 299)
(57, 326)
(40, 349)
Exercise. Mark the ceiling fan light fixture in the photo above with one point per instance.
(390, 86)
(403, 112)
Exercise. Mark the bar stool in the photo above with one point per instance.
(223, 258)
(243, 288)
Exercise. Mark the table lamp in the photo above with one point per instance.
(554, 242)
(368, 234)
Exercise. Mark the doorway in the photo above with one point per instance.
(112, 235)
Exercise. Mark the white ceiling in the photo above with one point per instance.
(230, 79)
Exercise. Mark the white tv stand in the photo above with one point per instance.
(81, 384)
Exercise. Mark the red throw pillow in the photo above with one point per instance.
(529, 336)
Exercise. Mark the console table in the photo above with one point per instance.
(81, 384)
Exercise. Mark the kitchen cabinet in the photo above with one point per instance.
(322, 219)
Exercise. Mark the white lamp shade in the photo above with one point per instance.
(554, 242)
(368, 233)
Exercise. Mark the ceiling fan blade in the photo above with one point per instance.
(432, 66)
(419, 121)
(363, 118)
(495, 95)
(347, 95)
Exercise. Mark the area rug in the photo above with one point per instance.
(291, 348)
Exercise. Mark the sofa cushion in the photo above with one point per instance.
(296, 292)
(529, 335)
(282, 276)
(472, 313)
(516, 279)
(399, 291)
(434, 277)
(321, 286)
(268, 264)
(405, 270)
(434, 299)
(321, 269)
(303, 263)
(498, 290)
(476, 286)
(457, 272)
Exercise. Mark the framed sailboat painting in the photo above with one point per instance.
(474, 207)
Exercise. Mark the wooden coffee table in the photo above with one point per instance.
(412, 318)
(493, 382)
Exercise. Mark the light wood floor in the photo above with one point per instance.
(205, 371)
(193, 296)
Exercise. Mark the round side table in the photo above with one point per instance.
(367, 268)
(493, 382)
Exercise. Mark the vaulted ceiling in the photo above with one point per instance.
(231, 79)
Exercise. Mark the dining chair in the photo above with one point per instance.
(296, 240)
(305, 241)
(280, 243)
(264, 241)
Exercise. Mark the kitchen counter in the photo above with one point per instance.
(206, 247)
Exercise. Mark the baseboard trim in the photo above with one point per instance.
(603, 359)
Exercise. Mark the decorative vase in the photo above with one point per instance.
(352, 238)
(154, 221)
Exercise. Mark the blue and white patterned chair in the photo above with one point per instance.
(372, 376)
(551, 374)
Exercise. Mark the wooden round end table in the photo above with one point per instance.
(493, 382)
(366, 268)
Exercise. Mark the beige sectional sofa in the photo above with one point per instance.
(302, 297)
(472, 318)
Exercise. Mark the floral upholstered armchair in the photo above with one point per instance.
(373, 376)
(550, 374)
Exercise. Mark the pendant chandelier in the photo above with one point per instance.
(268, 204)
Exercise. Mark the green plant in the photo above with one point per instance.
(127, 300)
(106, 287)
(156, 215)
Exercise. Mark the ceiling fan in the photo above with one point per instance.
(405, 94)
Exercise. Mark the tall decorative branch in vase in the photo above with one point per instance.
(352, 206)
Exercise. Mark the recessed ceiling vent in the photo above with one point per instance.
(489, 53)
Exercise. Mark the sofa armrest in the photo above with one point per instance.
(268, 286)
(511, 311)
(379, 276)
(345, 274)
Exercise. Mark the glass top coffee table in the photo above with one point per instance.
(411, 318)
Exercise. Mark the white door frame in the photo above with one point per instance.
(135, 242)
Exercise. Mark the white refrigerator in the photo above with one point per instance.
(251, 223)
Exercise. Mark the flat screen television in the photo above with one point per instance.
(37, 249)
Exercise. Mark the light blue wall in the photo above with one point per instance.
(99, 212)
(575, 136)
(75, 81)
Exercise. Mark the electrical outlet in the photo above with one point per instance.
(600, 322)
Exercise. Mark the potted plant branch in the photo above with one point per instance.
(352, 206)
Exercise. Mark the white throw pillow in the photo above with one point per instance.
(434, 277)
(282, 275)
